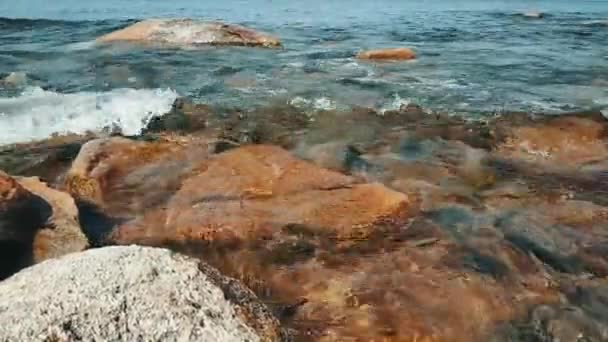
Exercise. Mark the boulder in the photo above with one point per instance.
(22, 214)
(258, 189)
(124, 176)
(36, 223)
(130, 294)
(397, 54)
(14, 80)
(562, 142)
(187, 32)
(61, 234)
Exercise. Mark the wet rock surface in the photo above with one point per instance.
(359, 225)
(36, 223)
(61, 233)
(189, 33)
(397, 54)
(129, 294)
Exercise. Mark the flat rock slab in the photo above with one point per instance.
(129, 294)
(259, 189)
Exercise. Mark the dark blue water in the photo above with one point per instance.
(474, 57)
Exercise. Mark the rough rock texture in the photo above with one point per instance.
(125, 176)
(61, 234)
(186, 32)
(14, 79)
(48, 159)
(388, 54)
(428, 227)
(129, 294)
(22, 214)
(259, 189)
(564, 142)
(36, 223)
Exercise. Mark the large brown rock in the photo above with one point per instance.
(397, 54)
(62, 233)
(563, 142)
(36, 223)
(348, 253)
(259, 189)
(125, 177)
(187, 32)
(21, 215)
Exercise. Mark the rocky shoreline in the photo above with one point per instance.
(357, 225)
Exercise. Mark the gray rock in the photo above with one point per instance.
(130, 294)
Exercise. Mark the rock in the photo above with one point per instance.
(253, 190)
(36, 223)
(184, 116)
(130, 294)
(14, 80)
(124, 176)
(21, 215)
(61, 234)
(388, 54)
(561, 142)
(187, 32)
(48, 159)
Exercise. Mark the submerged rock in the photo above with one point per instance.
(388, 54)
(130, 294)
(562, 142)
(187, 32)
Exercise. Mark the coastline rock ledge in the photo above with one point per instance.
(130, 293)
(188, 32)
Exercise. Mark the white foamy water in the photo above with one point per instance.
(395, 104)
(320, 103)
(37, 113)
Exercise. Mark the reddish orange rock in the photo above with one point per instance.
(564, 142)
(36, 223)
(398, 54)
(258, 189)
(125, 176)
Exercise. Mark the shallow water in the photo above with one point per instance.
(475, 57)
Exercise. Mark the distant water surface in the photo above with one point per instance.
(475, 58)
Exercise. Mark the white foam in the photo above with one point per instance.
(37, 114)
(395, 104)
(604, 113)
(81, 46)
(320, 103)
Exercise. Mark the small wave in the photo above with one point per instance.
(396, 103)
(37, 113)
(596, 23)
(320, 103)
(80, 46)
